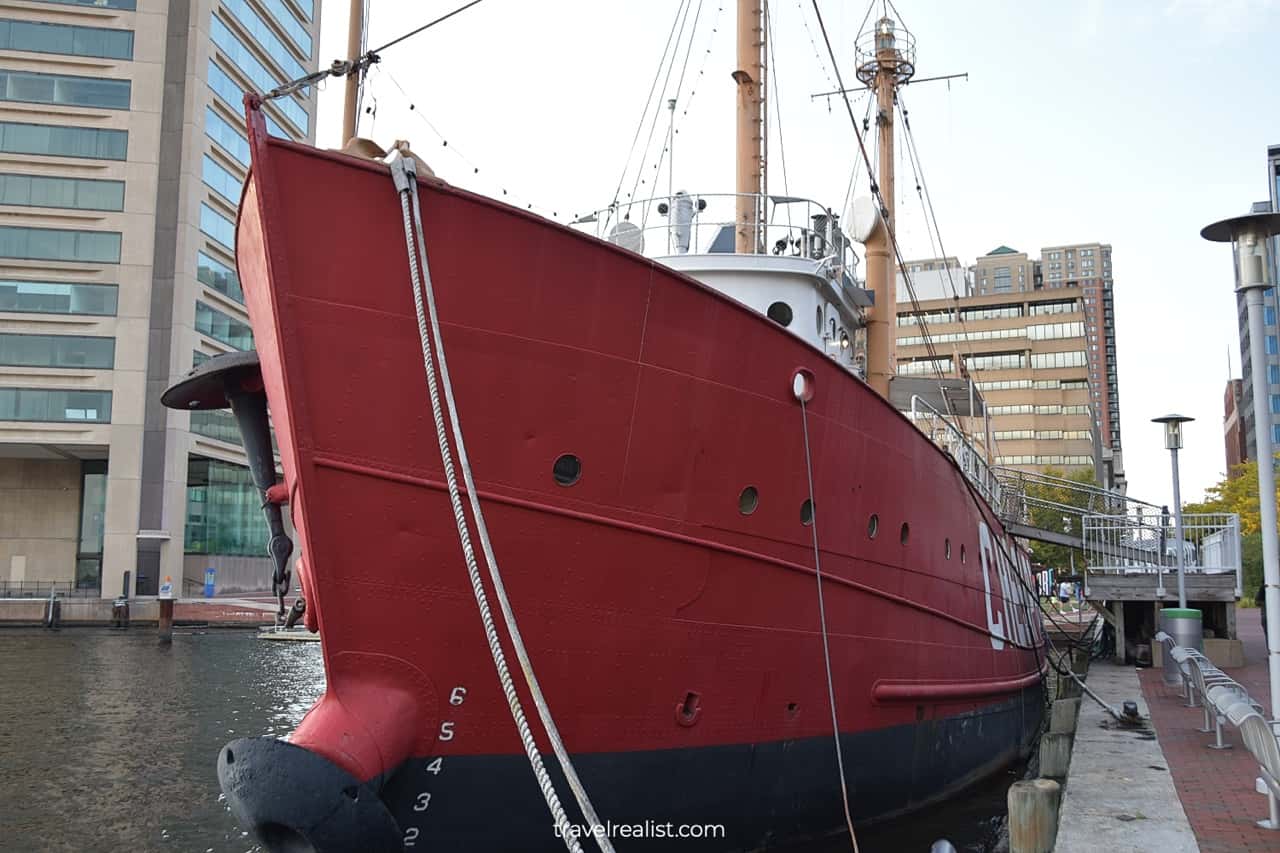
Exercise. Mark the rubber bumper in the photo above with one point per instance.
(295, 801)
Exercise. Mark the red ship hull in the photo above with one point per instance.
(676, 639)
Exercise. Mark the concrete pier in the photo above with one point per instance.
(1120, 795)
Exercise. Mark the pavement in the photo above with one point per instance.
(1215, 786)
(1119, 796)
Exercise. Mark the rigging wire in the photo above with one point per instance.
(777, 110)
(423, 28)
(889, 227)
(645, 112)
(684, 67)
(686, 5)
(822, 63)
(500, 185)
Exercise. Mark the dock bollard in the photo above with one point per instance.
(166, 610)
(1055, 754)
(1033, 816)
(53, 612)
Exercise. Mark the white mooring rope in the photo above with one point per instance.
(404, 175)
(822, 619)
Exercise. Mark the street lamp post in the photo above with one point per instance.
(1249, 236)
(1173, 442)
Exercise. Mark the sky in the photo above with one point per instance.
(1133, 123)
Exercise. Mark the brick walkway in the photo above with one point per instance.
(1215, 786)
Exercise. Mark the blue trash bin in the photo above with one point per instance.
(209, 575)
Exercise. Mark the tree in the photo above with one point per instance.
(1237, 493)
(1051, 517)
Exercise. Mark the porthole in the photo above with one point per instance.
(780, 313)
(748, 500)
(962, 553)
(567, 470)
(806, 512)
(873, 526)
(947, 547)
(905, 533)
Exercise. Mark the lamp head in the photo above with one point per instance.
(1172, 430)
(1248, 235)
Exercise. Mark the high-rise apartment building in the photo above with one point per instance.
(1272, 333)
(935, 278)
(122, 154)
(1027, 354)
(1088, 267)
(1010, 295)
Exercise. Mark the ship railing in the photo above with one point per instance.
(968, 455)
(1147, 543)
(683, 223)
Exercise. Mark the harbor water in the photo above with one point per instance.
(109, 739)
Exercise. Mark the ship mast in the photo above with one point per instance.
(355, 40)
(886, 59)
(750, 147)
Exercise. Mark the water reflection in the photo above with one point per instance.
(109, 742)
(110, 738)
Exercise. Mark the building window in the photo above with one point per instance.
(1053, 331)
(995, 361)
(1275, 434)
(57, 351)
(48, 191)
(921, 367)
(221, 327)
(52, 244)
(1272, 349)
(266, 37)
(55, 405)
(233, 95)
(47, 297)
(1275, 404)
(1269, 315)
(217, 226)
(227, 137)
(218, 276)
(65, 39)
(123, 5)
(220, 180)
(1057, 359)
(93, 510)
(257, 73)
(292, 27)
(224, 510)
(1003, 280)
(60, 141)
(217, 424)
(29, 87)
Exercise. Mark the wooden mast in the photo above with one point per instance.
(355, 29)
(882, 272)
(750, 147)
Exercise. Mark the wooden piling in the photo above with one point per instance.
(1062, 716)
(1033, 816)
(166, 620)
(1055, 754)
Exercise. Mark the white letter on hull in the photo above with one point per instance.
(985, 560)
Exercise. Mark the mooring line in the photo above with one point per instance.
(822, 619)
(405, 177)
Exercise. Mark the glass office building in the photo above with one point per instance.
(122, 126)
